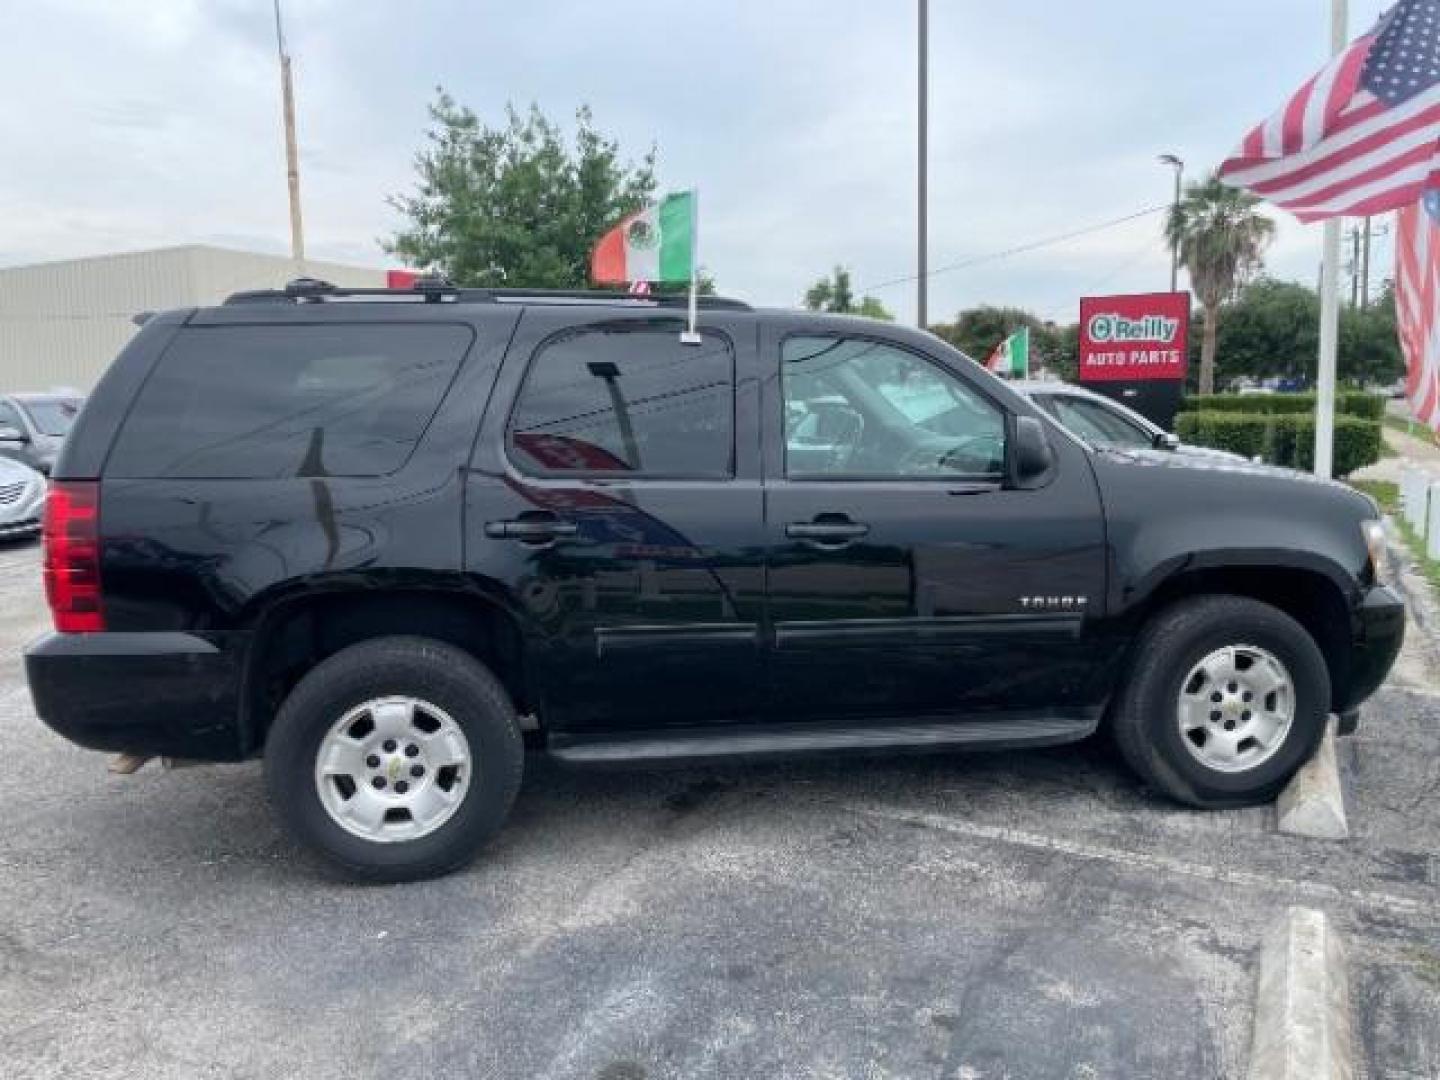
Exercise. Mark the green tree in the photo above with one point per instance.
(835, 295)
(517, 204)
(1221, 237)
(976, 331)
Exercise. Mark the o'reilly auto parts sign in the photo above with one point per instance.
(1132, 338)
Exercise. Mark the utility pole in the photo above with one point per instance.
(922, 224)
(1354, 266)
(1329, 297)
(292, 152)
(1365, 267)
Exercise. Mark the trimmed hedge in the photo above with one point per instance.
(1283, 438)
(1349, 402)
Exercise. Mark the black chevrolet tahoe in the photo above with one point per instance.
(386, 539)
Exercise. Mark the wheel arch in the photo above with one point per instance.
(1311, 590)
(294, 632)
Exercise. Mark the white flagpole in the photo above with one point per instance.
(691, 336)
(1329, 297)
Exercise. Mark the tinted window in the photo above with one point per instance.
(10, 418)
(266, 402)
(630, 401)
(864, 409)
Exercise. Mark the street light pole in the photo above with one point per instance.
(1179, 167)
(922, 223)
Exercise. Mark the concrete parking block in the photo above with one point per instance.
(1302, 1007)
(1313, 803)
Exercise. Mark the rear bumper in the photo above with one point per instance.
(1380, 633)
(168, 694)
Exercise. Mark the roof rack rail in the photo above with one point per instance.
(435, 288)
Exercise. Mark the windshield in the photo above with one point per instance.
(1095, 423)
(52, 416)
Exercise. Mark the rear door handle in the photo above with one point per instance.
(827, 531)
(531, 530)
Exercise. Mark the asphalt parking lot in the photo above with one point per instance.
(1006, 915)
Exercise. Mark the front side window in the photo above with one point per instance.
(863, 409)
(269, 402)
(1097, 424)
(629, 400)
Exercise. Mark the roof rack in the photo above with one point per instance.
(435, 289)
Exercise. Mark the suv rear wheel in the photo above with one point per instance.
(395, 759)
(1226, 699)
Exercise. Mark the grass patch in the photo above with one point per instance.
(1384, 492)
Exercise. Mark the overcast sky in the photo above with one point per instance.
(142, 123)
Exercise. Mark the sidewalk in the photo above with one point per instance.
(1409, 452)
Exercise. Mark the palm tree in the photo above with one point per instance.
(1221, 237)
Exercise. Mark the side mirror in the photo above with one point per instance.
(1030, 452)
(1166, 441)
(12, 435)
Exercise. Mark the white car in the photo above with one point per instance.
(1106, 424)
(22, 499)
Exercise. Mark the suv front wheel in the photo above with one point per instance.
(395, 759)
(1226, 698)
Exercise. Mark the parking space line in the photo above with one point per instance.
(1146, 861)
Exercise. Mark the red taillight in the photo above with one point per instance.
(72, 556)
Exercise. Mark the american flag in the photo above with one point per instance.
(1417, 304)
(1361, 137)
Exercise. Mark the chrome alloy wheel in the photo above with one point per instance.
(393, 769)
(1235, 708)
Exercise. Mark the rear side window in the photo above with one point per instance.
(267, 402)
(627, 401)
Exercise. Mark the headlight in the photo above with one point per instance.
(1379, 551)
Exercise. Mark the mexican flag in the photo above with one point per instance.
(656, 244)
(1012, 356)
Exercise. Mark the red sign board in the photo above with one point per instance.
(1129, 338)
(401, 279)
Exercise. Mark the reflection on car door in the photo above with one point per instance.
(904, 578)
(620, 497)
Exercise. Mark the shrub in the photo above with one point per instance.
(1348, 402)
(1285, 438)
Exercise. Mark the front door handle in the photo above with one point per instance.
(827, 531)
(531, 530)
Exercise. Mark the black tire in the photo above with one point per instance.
(1145, 716)
(431, 671)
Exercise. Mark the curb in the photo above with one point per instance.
(1302, 1007)
(1313, 803)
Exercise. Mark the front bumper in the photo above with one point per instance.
(1380, 621)
(160, 694)
(22, 518)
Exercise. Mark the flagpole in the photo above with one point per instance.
(1329, 296)
(691, 336)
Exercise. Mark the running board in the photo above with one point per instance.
(793, 740)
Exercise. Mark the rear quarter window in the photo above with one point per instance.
(269, 402)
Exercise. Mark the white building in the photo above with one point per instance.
(61, 323)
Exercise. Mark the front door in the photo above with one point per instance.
(906, 579)
(617, 489)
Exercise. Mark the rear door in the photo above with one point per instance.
(906, 578)
(616, 489)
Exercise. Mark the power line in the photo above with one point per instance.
(1021, 249)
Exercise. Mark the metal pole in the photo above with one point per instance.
(1354, 266)
(923, 230)
(1329, 298)
(1365, 267)
(292, 152)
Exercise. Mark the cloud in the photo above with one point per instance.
(796, 120)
